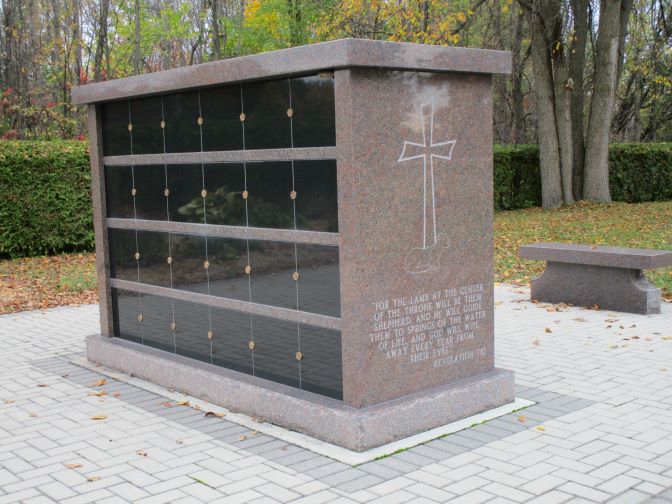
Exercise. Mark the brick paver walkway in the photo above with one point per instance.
(601, 430)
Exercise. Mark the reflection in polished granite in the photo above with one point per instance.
(281, 113)
(179, 261)
(148, 319)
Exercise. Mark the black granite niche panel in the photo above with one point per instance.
(296, 112)
(321, 363)
(224, 203)
(269, 204)
(150, 267)
(222, 128)
(319, 280)
(313, 107)
(181, 113)
(115, 118)
(267, 123)
(147, 135)
(316, 195)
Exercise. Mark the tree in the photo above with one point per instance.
(570, 170)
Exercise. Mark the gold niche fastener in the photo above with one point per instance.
(173, 326)
(251, 345)
(206, 264)
(140, 317)
(166, 192)
(299, 356)
(210, 335)
(242, 116)
(290, 112)
(199, 121)
(137, 256)
(163, 124)
(134, 191)
(248, 269)
(245, 194)
(130, 127)
(295, 275)
(292, 194)
(169, 260)
(204, 193)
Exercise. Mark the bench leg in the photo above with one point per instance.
(617, 289)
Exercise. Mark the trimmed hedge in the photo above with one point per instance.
(517, 181)
(45, 204)
(638, 172)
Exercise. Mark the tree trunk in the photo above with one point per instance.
(101, 41)
(518, 112)
(549, 153)
(577, 62)
(137, 63)
(596, 181)
(216, 37)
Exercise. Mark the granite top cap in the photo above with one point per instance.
(324, 56)
(595, 255)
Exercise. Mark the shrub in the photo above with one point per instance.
(640, 172)
(45, 202)
(517, 181)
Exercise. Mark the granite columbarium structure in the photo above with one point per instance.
(304, 235)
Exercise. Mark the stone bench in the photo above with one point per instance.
(586, 275)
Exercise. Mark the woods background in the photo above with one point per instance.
(585, 72)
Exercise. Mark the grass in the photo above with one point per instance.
(43, 282)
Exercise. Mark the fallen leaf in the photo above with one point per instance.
(167, 404)
(31, 414)
(141, 453)
(100, 393)
(541, 428)
(243, 437)
(92, 478)
(213, 414)
(73, 466)
(100, 382)
(8, 401)
(197, 407)
(183, 403)
(580, 319)
(42, 385)
(99, 417)
(179, 441)
(548, 330)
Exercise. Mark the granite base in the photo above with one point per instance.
(357, 429)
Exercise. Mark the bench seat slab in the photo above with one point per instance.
(610, 288)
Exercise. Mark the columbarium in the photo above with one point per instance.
(303, 235)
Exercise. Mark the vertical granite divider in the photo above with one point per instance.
(100, 218)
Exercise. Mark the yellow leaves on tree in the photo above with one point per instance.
(429, 22)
